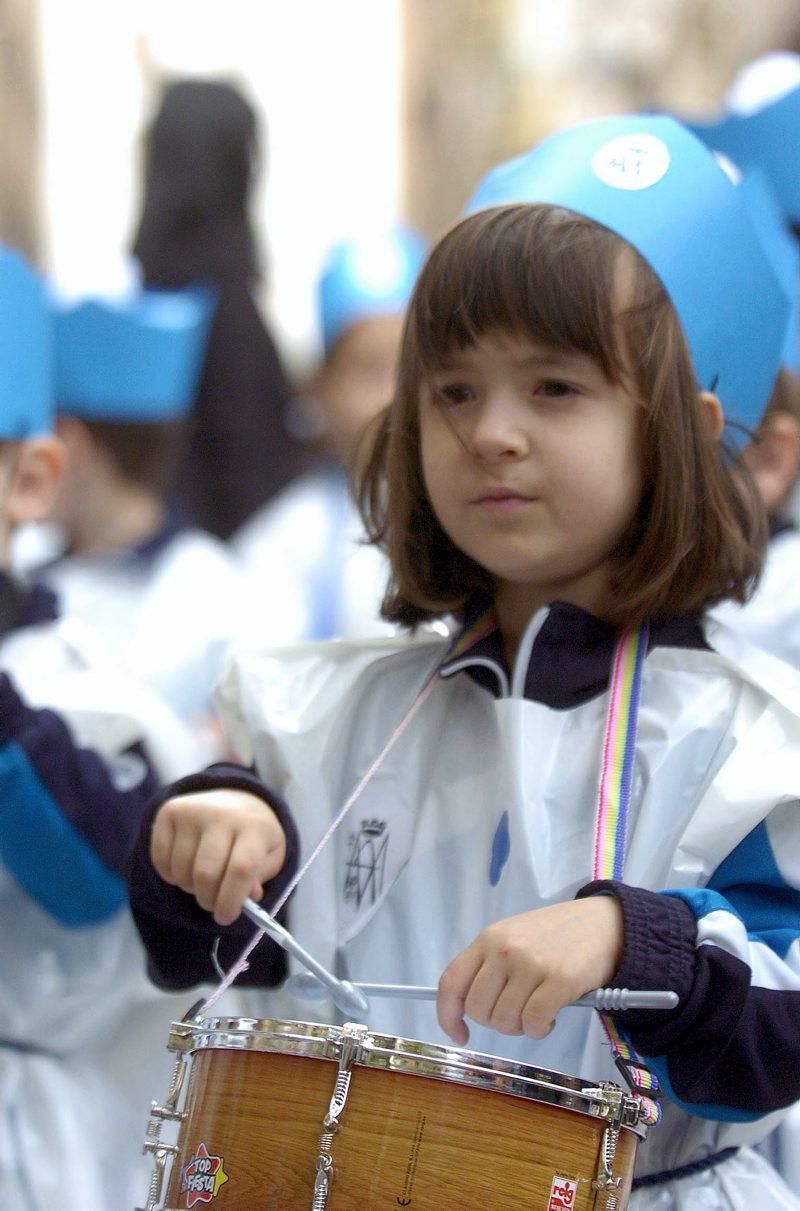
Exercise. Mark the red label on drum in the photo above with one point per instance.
(202, 1177)
(563, 1193)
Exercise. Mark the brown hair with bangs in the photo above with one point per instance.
(552, 275)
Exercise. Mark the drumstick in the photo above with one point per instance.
(317, 982)
(307, 987)
(345, 997)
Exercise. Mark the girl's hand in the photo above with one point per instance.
(220, 846)
(521, 971)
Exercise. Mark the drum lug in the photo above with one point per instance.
(161, 1151)
(163, 1114)
(348, 1041)
(322, 1183)
(607, 1186)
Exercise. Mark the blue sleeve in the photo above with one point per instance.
(731, 950)
(67, 817)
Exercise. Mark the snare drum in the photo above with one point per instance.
(290, 1116)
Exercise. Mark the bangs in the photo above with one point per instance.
(540, 272)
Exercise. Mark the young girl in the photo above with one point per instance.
(549, 475)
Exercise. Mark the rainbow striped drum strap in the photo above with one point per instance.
(611, 823)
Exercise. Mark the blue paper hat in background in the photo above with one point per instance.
(648, 179)
(760, 126)
(135, 358)
(26, 386)
(783, 251)
(373, 275)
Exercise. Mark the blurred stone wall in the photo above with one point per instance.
(484, 79)
(19, 142)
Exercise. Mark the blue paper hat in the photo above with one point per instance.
(26, 386)
(648, 179)
(373, 275)
(137, 358)
(767, 139)
(783, 251)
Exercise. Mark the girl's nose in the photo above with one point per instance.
(498, 431)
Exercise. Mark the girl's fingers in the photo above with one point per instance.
(181, 861)
(273, 853)
(210, 863)
(539, 1014)
(454, 985)
(507, 1012)
(162, 837)
(243, 870)
(487, 989)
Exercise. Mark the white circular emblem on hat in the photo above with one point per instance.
(631, 161)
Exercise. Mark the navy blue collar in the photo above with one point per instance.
(570, 660)
(23, 605)
(152, 547)
(146, 552)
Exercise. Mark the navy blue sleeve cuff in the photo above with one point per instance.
(729, 1050)
(659, 951)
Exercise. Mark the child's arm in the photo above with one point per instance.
(731, 1049)
(208, 842)
(732, 951)
(68, 815)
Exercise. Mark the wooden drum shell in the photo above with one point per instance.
(404, 1140)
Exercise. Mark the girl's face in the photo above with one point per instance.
(532, 464)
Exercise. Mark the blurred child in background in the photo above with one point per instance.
(304, 553)
(82, 749)
(165, 597)
(758, 131)
(771, 618)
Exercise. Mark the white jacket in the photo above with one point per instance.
(415, 871)
(83, 1032)
(771, 618)
(167, 616)
(306, 562)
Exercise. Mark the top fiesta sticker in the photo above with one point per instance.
(202, 1177)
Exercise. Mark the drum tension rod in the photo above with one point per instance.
(159, 1149)
(352, 1038)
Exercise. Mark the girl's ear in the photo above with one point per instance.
(773, 458)
(34, 478)
(715, 417)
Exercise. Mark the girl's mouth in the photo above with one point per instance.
(502, 500)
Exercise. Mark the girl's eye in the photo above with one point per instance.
(554, 388)
(454, 393)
